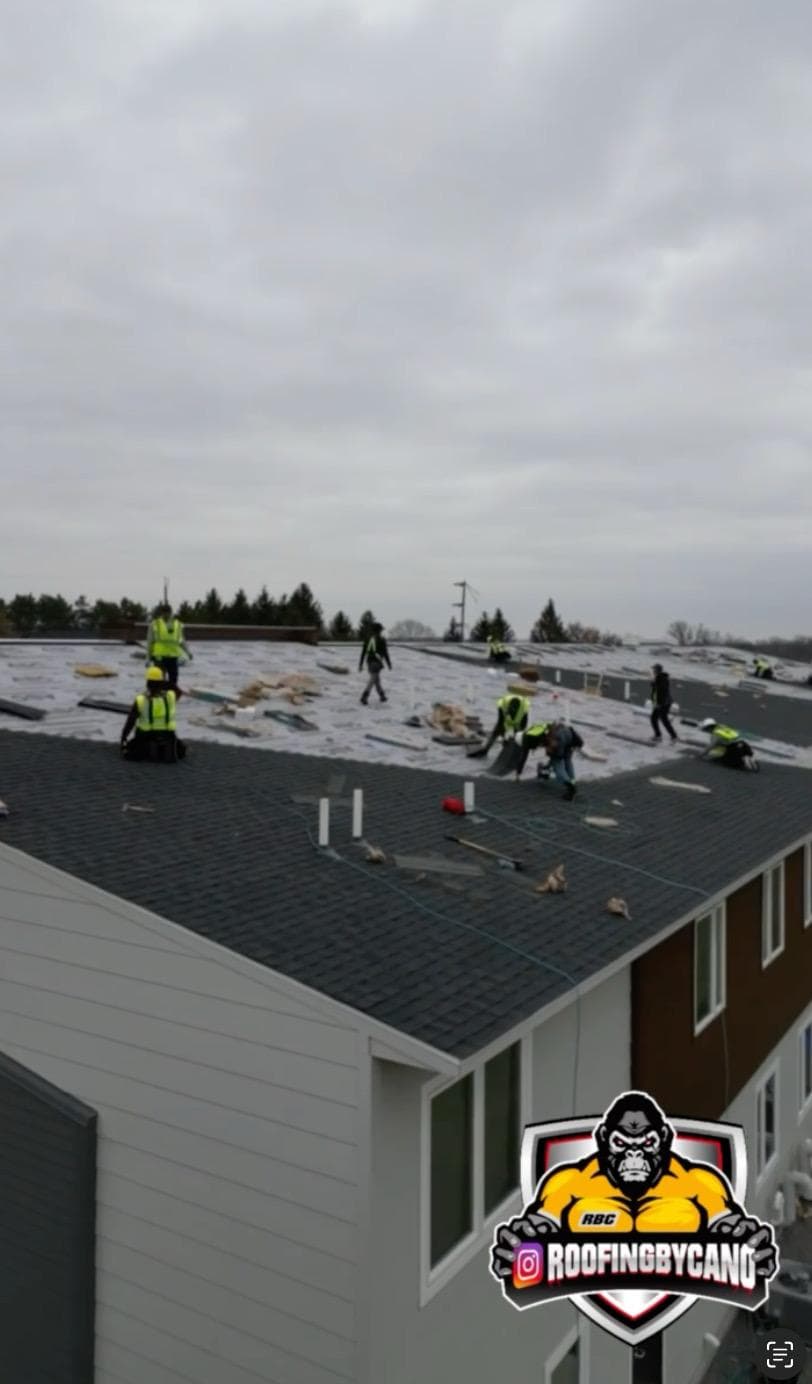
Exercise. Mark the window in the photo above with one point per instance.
(766, 1117)
(709, 967)
(772, 914)
(564, 1367)
(805, 1065)
(808, 884)
(472, 1153)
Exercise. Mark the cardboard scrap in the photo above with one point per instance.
(448, 718)
(620, 908)
(93, 670)
(555, 883)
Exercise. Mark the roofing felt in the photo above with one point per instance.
(455, 962)
(755, 712)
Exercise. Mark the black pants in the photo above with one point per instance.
(157, 746)
(170, 667)
(659, 716)
(765, 673)
(739, 755)
(503, 657)
(374, 670)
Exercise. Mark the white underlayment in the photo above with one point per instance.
(43, 676)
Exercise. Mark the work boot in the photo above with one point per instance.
(364, 701)
(384, 698)
(569, 792)
(655, 740)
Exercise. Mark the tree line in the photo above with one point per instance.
(26, 614)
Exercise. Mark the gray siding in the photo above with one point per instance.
(227, 1228)
(466, 1331)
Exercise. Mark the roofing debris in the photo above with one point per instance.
(133, 807)
(375, 855)
(102, 704)
(676, 783)
(620, 908)
(385, 740)
(3, 809)
(93, 670)
(26, 713)
(601, 821)
(555, 883)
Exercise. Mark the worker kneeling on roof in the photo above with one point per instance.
(762, 669)
(512, 716)
(152, 718)
(560, 742)
(497, 651)
(727, 746)
(528, 741)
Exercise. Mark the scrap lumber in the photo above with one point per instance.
(601, 821)
(102, 704)
(202, 694)
(400, 744)
(677, 783)
(337, 668)
(522, 689)
(26, 713)
(291, 719)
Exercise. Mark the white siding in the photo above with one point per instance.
(466, 1331)
(227, 1238)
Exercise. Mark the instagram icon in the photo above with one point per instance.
(528, 1266)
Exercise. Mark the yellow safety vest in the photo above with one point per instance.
(156, 713)
(495, 645)
(165, 640)
(725, 735)
(512, 722)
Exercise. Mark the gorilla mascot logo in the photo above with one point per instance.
(633, 1184)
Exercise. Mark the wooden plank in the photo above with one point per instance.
(26, 713)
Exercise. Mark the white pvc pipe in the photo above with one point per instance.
(357, 813)
(558, 674)
(627, 691)
(324, 821)
(469, 796)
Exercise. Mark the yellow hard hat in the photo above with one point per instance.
(155, 674)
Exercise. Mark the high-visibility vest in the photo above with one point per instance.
(541, 728)
(371, 647)
(165, 640)
(156, 713)
(761, 664)
(495, 645)
(724, 735)
(512, 722)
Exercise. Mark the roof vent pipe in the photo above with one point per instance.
(324, 821)
(468, 797)
(357, 813)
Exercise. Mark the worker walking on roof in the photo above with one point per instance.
(153, 719)
(497, 651)
(727, 746)
(762, 669)
(560, 742)
(166, 643)
(374, 653)
(661, 702)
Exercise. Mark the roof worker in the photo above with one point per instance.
(165, 642)
(529, 741)
(375, 653)
(560, 742)
(512, 717)
(661, 702)
(727, 746)
(152, 718)
(762, 669)
(497, 651)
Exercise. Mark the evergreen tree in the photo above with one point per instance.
(453, 634)
(132, 612)
(210, 610)
(23, 613)
(81, 613)
(341, 626)
(481, 629)
(54, 613)
(188, 612)
(548, 629)
(5, 623)
(264, 610)
(105, 613)
(365, 625)
(304, 609)
(500, 629)
(239, 612)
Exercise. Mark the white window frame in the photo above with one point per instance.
(718, 917)
(572, 1338)
(804, 1097)
(767, 957)
(432, 1280)
(808, 884)
(763, 1170)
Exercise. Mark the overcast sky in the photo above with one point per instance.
(383, 295)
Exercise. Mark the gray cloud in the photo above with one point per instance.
(380, 296)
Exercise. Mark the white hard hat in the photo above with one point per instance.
(707, 724)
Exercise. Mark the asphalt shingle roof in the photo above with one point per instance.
(228, 854)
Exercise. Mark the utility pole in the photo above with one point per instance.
(166, 591)
(460, 606)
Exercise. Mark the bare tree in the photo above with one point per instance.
(682, 632)
(411, 629)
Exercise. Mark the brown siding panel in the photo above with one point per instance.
(687, 1075)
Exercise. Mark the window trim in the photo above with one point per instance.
(807, 891)
(771, 1071)
(562, 1350)
(718, 912)
(768, 957)
(804, 1101)
(433, 1280)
